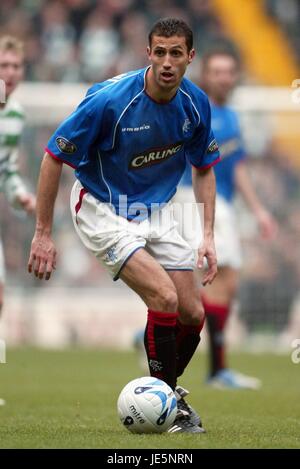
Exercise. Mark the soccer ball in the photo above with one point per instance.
(147, 405)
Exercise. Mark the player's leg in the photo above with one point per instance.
(190, 318)
(189, 325)
(176, 256)
(148, 279)
(184, 212)
(118, 244)
(217, 299)
(189, 225)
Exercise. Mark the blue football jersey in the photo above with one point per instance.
(225, 126)
(130, 151)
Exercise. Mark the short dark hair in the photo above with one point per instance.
(223, 51)
(168, 27)
(11, 43)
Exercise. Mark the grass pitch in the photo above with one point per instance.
(67, 399)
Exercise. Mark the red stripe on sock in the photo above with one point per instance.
(214, 308)
(162, 319)
(221, 312)
(150, 339)
(158, 318)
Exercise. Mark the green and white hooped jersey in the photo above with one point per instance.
(11, 127)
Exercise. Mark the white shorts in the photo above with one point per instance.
(113, 239)
(2, 264)
(227, 242)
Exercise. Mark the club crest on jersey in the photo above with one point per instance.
(65, 146)
(213, 146)
(154, 156)
(186, 125)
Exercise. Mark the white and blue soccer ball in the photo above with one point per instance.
(147, 405)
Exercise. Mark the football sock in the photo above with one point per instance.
(160, 345)
(216, 317)
(187, 340)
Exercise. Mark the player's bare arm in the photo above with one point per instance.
(42, 257)
(266, 222)
(204, 186)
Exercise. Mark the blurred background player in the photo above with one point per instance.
(219, 75)
(11, 127)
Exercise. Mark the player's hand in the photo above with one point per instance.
(27, 202)
(208, 250)
(42, 259)
(267, 224)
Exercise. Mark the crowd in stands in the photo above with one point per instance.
(90, 40)
(287, 15)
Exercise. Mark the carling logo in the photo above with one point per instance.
(154, 156)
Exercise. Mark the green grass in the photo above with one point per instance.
(67, 399)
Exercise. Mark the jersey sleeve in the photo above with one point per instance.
(72, 139)
(203, 151)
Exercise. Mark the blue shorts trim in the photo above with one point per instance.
(184, 270)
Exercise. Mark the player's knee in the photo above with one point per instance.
(200, 314)
(168, 300)
(194, 315)
(197, 315)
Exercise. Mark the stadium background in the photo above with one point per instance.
(70, 340)
(73, 43)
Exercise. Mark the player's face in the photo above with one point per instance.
(169, 58)
(11, 69)
(220, 77)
